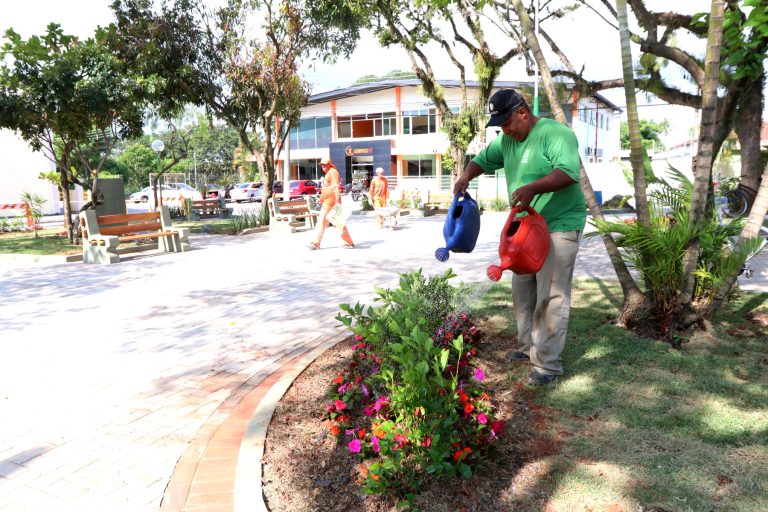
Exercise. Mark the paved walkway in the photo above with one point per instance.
(117, 382)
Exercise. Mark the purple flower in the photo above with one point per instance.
(375, 444)
(364, 389)
(482, 419)
(354, 446)
(479, 375)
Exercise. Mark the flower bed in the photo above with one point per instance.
(411, 403)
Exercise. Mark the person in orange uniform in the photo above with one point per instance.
(330, 197)
(379, 192)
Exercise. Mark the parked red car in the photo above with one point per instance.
(300, 188)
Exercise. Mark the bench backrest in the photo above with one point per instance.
(121, 224)
(206, 203)
(292, 207)
(440, 198)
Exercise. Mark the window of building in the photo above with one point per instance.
(606, 122)
(600, 117)
(591, 118)
(418, 122)
(583, 115)
(380, 124)
(419, 166)
(311, 133)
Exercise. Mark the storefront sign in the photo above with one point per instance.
(350, 151)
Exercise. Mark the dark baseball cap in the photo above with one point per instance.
(503, 103)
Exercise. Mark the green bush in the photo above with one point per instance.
(424, 410)
(249, 218)
(499, 204)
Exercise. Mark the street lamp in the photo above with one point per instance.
(158, 146)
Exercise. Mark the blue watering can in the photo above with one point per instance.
(462, 225)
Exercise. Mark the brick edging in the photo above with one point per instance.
(206, 476)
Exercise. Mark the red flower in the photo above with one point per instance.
(340, 405)
(361, 433)
(461, 454)
(335, 430)
(462, 396)
(468, 408)
(338, 380)
(427, 441)
(497, 426)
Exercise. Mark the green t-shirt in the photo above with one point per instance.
(550, 145)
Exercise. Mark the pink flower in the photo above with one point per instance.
(482, 419)
(354, 446)
(381, 401)
(368, 410)
(375, 444)
(340, 405)
(479, 375)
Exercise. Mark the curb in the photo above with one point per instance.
(248, 493)
(221, 467)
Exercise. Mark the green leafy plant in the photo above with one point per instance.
(248, 218)
(499, 204)
(365, 203)
(35, 202)
(656, 251)
(424, 409)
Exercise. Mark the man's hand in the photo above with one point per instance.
(523, 196)
(461, 184)
(471, 171)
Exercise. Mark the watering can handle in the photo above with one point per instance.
(463, 196)
(528, 210)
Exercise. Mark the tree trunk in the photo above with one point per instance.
(633, 121)
(68, 225)
(633, 296)
(704, 156)
(747, 128)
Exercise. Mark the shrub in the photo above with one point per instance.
(499, 204)
(411, 399)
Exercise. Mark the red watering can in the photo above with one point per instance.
(524, 244)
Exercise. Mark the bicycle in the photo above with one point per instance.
(738, 201)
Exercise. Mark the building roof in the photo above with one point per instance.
(369, 87)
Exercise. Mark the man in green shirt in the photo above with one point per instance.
(540, 158)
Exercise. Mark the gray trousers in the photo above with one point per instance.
(542, 304)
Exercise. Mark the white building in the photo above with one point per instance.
(391, 124)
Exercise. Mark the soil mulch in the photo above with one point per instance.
(306, 469)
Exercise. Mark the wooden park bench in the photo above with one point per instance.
(439, 200)
(289, 215)
(211, 207)
(103, 234)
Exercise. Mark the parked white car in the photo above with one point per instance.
(168, 191)
(248, 191)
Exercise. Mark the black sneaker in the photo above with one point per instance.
(541, 379)
(516, 355)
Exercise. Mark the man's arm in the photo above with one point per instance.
(552, 182)
(471, 171)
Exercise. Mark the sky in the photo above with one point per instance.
(597, 51)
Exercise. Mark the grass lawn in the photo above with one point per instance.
(47, 242)
(642, 426)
